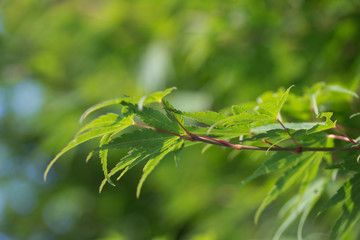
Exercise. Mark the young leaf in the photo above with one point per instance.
(230, 132)
(155, 97)
(293, 126)
(143, 144)
(290, 176)
(158, 96)
(272, 109)
(207, 117)
(300, 204)
(236, 110)
(277, 161)
(244, 118)
(107, 120)
(354, 115)
(103, 156)
(169, 146)
(116, 125)
(351, 206)
(156, 119)
(89, 156)
(340, 89)
(283, 99)
(105, 104)
(131, 159)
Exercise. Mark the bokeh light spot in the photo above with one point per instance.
(2, 100)
(21, 197)
(27, 98)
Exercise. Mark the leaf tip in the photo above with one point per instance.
(83, 116)
(141, 103)
(137, 194)
(47, 170)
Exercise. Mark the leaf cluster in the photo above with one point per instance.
(150, 128)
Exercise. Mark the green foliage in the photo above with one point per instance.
(157, 132)
(219, 54)
(110, 123)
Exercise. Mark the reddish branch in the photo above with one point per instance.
(214, 141)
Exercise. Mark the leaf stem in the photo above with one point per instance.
(337, 127)
(219, 142)
(347, 139)
(156, 129)
(267, 142)
(294, 149)
(191, 135)
(300, 148)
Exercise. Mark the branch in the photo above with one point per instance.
(346, 138)
(300, 148)
(219, 142)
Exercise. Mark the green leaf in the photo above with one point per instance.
(154, 97)
(283, 99)
(157, 119)
(130, 160)
(104, 155)
(207, 117)
(347, 166)
(300, 204)
(278, 161)
(349, 195)
(290, 176)
(272, 109)
(144, 144)
(276, 132)
(105, 104)
(293, 126)
(355, 115)
(89, 156)
(106, 120)
(314, 102)
(335, 199)
(245, 118)
(311, 172)
(117, 124)
(230, 132)
(236, 110)
(158, 96)
(340, 89)
(169, 146)
(352, 203)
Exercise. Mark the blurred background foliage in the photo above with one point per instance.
(58, 57)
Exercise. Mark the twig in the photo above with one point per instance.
(300, 148)
(156, 129)
(337, 127)
(264, 141)
(347, 139)
(173, 116)
(218, 142)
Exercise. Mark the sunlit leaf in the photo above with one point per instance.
(272, 109)
(355, 115)
(159, 120)
(154, 97)
(117, 125)
(169, 146)
(290, 176)
(105, 104)
(143, 144)
(340, 89)
(207, 117)
(104, 155)
(277, 161)
(300, 205)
